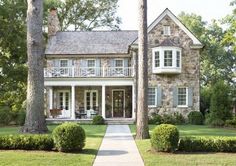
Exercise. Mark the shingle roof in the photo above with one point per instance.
(93, 42)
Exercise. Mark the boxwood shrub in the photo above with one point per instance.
(26, 142)
(69, 137)
(195, 118)
(98, 120)
(207, 144)
(165, 138)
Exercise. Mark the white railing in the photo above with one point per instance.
(88, 72)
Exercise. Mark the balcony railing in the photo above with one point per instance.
(88, 72)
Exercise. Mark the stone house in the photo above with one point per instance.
(91, 73)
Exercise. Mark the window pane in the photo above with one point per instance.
(166, 30)
(151, 96)
(91, 63)
(157, 59)
(63, 63)
(182, 96)
(177, 59)
(119, 63)
(168, 58)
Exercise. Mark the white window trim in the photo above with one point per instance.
(91, 60)
(166, 33)
(167, 69)
(63, 60)
(69, 99)
(123, 62)
(85, 99)
(153, 106)
(182, 106)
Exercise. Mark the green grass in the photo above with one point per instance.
(152, 158)
(94, 135)
(197, 130)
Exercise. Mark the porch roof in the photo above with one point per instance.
(93, 42)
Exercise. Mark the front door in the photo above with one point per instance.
(118, 103)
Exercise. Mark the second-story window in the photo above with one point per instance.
(168, 58)
(177, 58)
(91, 66)
(119, 65)
(157, 59)
(63, 63)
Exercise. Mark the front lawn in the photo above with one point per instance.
(94, 135)
(152, 158)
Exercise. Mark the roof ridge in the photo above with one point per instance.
(100, 31)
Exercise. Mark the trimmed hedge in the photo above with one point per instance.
(98, 120)
(207, 144)
(195, 118)
(69, 137)
(26, 142)
(165, 138)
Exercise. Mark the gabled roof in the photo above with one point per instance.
(167, 12)
(92, 42)
(168, 42)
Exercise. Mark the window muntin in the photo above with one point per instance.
(91, 63)
(119, 63)
(64, 100)
(157, 59)
(182, 96)
(63, 63)
(168, 58)
(166, 30)
(151, 96)
(177, 58)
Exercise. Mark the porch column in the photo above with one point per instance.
(133, 102)
(50, 98)
(103, 101)
(72, 102)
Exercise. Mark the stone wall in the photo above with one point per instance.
(189, 76)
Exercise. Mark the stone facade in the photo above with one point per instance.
(189, 76)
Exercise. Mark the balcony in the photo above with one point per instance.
(54, 72)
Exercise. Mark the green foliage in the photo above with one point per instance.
(26, 142)
(98, 120)
(176, 118)
(155, 119)
(85, 14)
(195, 118)
(207, 144)
(5, 116)
(69, 137)
(231, 123)
(220, 104)
(165, 138)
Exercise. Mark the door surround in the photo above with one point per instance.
(123, 90)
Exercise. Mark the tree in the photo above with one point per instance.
(85, 14)
(35, 120)
(142, 108)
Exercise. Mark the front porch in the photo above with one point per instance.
(82, 103)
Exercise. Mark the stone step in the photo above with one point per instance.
(119, 121)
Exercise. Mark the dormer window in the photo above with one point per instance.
(166, 60)
(166, 30)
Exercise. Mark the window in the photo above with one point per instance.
(182, 96)
(119, 66)
(63, 63)
(168, 58)
(151, 96)
(91, 99)
(157, 59)
(166, 30)
(64, 100)
(91, 67)
(177, 59)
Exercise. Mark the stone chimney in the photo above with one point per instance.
(53, 22)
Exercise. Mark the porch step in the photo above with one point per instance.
(119, 121)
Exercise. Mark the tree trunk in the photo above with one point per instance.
(35, 120)
(142, 108)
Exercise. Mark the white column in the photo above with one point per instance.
(133, 102)
(103, 101)
(73, 102)
(50, 98)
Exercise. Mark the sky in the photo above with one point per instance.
(208, 9)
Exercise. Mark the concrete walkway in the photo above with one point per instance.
(118, 148)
